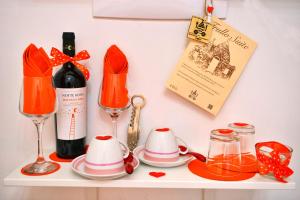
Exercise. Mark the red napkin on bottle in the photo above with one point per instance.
(114, 92)
(38, 91)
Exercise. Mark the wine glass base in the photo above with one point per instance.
(39, 169)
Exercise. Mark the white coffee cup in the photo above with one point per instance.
(105, 155)
(162, 146)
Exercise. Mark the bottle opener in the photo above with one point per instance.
(133, 128)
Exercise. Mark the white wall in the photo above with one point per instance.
(266, 95)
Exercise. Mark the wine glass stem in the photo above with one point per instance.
(39, 123)
(115, 126)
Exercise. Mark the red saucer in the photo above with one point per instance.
(53, 156)
(199, 168)
(41, 174)
(249, 163)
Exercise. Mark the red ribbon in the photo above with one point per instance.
(276, 161)
(60, 58)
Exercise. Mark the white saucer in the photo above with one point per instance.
(78, 167)
(139, 152)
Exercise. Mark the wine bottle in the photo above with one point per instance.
(71, 92)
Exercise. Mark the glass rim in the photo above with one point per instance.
(224, 132)
(247, 128)
(109, 109)
(264, 151)
(228, 136)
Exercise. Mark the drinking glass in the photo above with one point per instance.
(246, 133)
(114, 113)
(40, 166)
(265, 153)
(224, 155)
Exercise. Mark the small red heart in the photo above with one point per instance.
(162, 129)
(129, 168)
(240, 124)
(210, 9)
(105, 137)
(157, 174)
(225, 131)
(182, 148)
(129, 158)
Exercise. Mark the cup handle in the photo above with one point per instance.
(125, 149)
(181, 141)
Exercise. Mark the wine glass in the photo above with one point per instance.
(113, 97)
(38, 104)
(114, 113)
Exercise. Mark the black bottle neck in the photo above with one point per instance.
(68, 65)
(69, 47)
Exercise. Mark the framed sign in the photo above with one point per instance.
(155, 9)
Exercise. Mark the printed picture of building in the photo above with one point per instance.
(212, 58)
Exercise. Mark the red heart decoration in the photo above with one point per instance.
(225, 131)
(129, 158)
(105, 137)
(162, 129)
(240, 124)
(210, 9)
(157, 174)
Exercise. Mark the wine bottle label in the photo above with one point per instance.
(71, 113)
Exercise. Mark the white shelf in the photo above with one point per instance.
(179, 177)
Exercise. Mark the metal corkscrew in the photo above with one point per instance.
(133, 128)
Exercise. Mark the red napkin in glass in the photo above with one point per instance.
(114, 92)
(39, 93)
